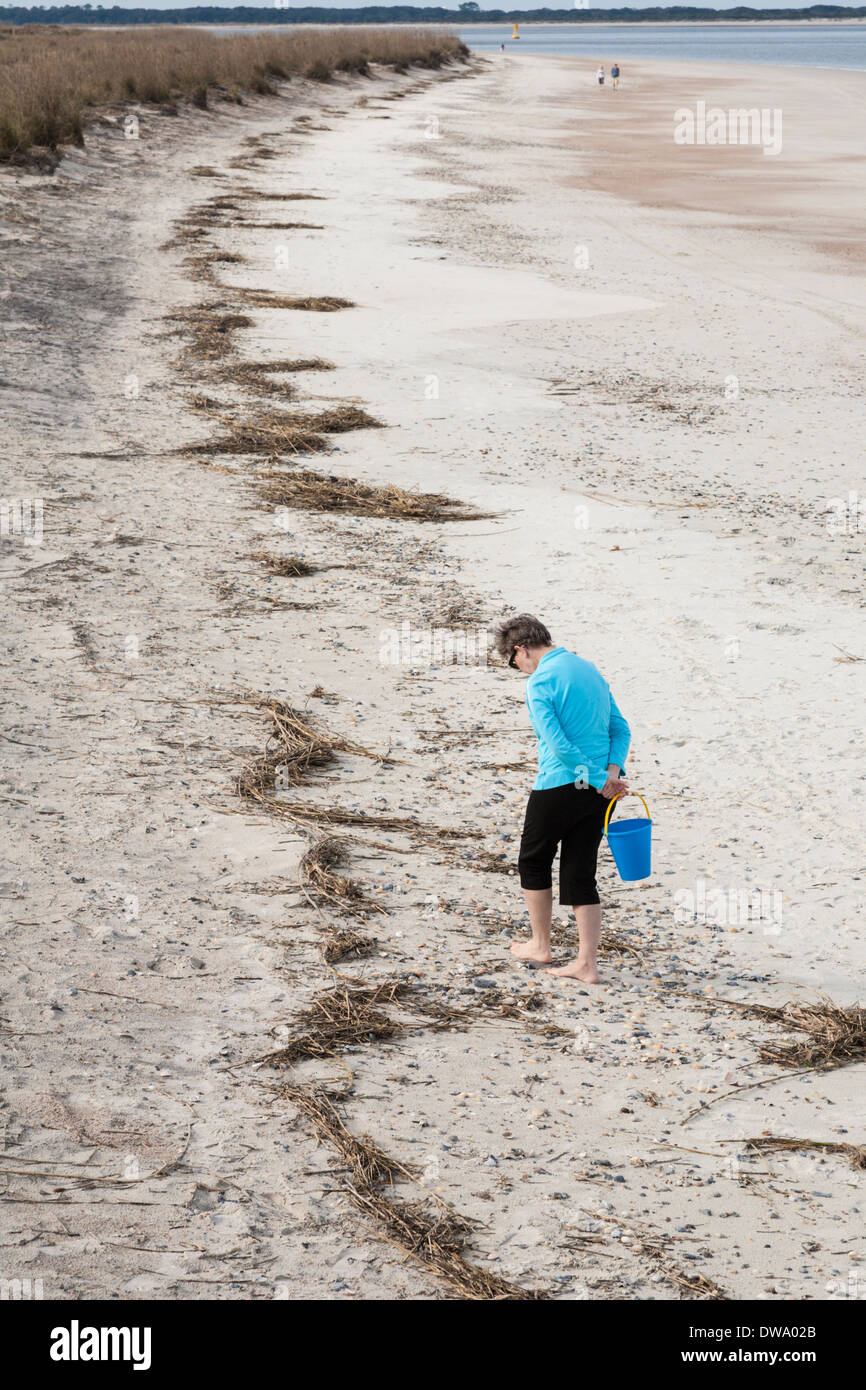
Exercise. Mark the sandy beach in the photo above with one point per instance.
(637, 367)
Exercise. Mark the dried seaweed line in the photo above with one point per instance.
(316, 874)
(352, 1013)
(773, 1143)
(326, 817)
(435, 1237)
(835, 1036)
(341, 943)
(655, 1250)
(367, 1162)
(281, 432)
(306, 490)
(349, 1014)
(295, 749)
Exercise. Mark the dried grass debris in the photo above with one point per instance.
(318, 878)
(307, 490)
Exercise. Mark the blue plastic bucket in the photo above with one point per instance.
(630, 843)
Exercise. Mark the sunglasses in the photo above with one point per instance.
(512, 663)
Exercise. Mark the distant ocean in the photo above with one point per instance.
(792, 45)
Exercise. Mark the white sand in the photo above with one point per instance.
(677, 537)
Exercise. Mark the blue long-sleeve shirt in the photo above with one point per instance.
(576, 721)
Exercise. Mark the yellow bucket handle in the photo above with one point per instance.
(616, 798)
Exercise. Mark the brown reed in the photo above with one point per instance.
(51, 77)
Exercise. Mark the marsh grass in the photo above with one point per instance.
(50, 77)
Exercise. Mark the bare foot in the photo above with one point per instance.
(576, 970)
(527, 950)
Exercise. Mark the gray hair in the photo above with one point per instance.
(520, 631)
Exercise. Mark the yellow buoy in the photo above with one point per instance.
(516, 34)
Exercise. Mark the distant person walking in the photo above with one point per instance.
(583, 742)
(614, 75)
(600, 76)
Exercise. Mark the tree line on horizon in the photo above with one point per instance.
(468, 12)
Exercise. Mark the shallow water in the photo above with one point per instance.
(792, 45)
(798, 45)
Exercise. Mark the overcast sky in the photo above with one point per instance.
(453, 4)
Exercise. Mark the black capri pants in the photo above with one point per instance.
(572, 818)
